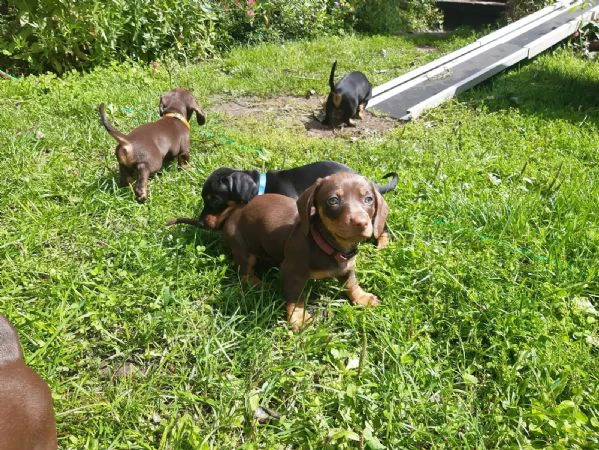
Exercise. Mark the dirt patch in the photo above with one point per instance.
(309, 111)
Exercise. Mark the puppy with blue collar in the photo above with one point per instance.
(227, 188)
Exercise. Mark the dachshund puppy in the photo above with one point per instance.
(347, 99)
(26, 414)
(226, 188)
(314, 237)
(145, 148)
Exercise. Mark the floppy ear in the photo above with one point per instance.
(242, 186)
(380, 214)
(161, 106)
(305, 203)
(200, 116)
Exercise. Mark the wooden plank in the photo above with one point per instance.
(465, 84)
(558, 34)
(430, 85)
(498, 34)
(447, 62)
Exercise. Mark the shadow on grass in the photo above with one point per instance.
(537, 90)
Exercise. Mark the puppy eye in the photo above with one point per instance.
(333, 201)
(368, 199)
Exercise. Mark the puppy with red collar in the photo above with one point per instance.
(313, 238)
(26, 414)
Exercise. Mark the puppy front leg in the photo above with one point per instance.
(183, 157)
(383, 240)
(361, 110)
(356, 294)
(141, 186)
(293, 285)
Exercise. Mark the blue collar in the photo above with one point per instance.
(262, 184)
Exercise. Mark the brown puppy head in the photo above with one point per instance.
(348, 205)
(181, 101)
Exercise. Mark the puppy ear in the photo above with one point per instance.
(305, 205)
(380, 214)
(337, 99)
(242, 186)
(161, 106)
(200, 116)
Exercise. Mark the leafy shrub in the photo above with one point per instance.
(387, 16)
(272, 20)
(64, 34)
(59, 35)
(520, 8)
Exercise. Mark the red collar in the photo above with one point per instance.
(328, 248)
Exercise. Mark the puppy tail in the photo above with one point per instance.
(120, 137)
(382, 188)
(332, 77)
(186, 220)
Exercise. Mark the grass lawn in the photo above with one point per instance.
(487, 336)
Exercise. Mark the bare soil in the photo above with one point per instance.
(309, 111)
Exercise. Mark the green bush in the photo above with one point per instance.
(275, 20)
(62, 34)
(392, 16)
(520, 8)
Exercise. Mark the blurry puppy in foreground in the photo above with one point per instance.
(314, 237)
(26, 414)
(144, 149)
(347, 99)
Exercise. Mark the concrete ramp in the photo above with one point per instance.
(407, 96)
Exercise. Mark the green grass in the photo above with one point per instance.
(482, 339)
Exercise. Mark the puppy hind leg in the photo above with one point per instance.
(183, 159)
(125, 175)
(141, 186)
(246, 262)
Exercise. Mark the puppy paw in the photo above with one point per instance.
(382, 241)
(141, 195)
(298, 319)
(366, 299)
(361, 111)
(252, 280)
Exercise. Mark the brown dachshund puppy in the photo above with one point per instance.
(26, 414)
(314, 237)
(145, 148)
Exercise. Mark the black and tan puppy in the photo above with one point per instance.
(226, 188)
(347, 99)
(144, 149)
(314, 237)
(26, 413)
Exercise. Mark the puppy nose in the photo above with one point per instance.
(359, 221)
